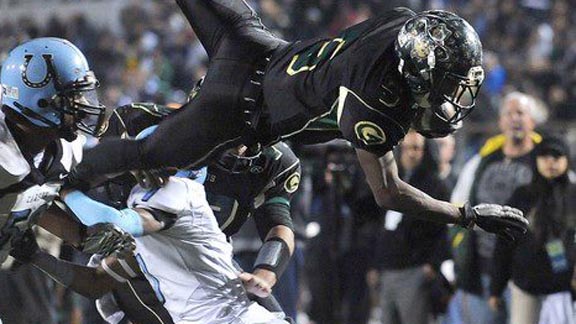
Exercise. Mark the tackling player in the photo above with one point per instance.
(377, 79)
(182, 254)
(243, 182)
(48, 92)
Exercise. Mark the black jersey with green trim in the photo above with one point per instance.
(355, 74)
(273, 178)
(131, 119)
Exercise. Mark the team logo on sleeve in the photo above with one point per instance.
(370, 133)
(292, 183)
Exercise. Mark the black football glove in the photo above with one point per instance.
(77, 178)
(505, 221)
(24, 246)
(82, 178)
(108, 239)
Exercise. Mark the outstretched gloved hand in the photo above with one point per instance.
(505, 221)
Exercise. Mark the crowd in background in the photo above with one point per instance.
(530, 45)
(349, 274)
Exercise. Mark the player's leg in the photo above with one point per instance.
(140, 304)
(212, 121)
(214, 20)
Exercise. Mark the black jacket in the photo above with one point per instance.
(415, 242)
(551, 209)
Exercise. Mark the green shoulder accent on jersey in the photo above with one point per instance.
(273, 152)
(277, 200)
(327, 123)
(153, 109)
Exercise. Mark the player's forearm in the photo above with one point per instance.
(89, 282)
(61, 224)
(412, 201)
(277, 233)
(284, 233)
(390, 192)
(90, 212)
(275, 253)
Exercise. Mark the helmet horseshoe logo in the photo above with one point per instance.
(47, 78)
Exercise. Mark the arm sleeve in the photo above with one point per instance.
(90, 212)
(269, 216)
(276, 207)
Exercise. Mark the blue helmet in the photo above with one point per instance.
(46, 79)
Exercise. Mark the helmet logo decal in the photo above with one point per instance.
(370, 133)
(440, 33)
(9, 92)
(292, 183)
(421, 48)
(47, 78)
(256, 169)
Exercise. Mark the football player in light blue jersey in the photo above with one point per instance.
(48, 93)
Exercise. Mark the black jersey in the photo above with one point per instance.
(129, 120)
(355, 74)
(273, 178)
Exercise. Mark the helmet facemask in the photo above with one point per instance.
(234, 162)
(453, 96)
(80, 100)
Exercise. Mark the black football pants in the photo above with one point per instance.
(236, 42)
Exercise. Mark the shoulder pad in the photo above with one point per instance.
(282, 157)
(173, 197)
(13, 166)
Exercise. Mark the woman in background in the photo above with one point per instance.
(541, 264)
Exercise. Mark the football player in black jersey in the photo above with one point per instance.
(376, 79)
(243, 182)
(248, 182)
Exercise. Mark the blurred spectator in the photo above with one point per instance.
(446, 155)
(529, 43)
(495, 75)
(541, 264)
(409, 251)
(502, 165)
(337, 258)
